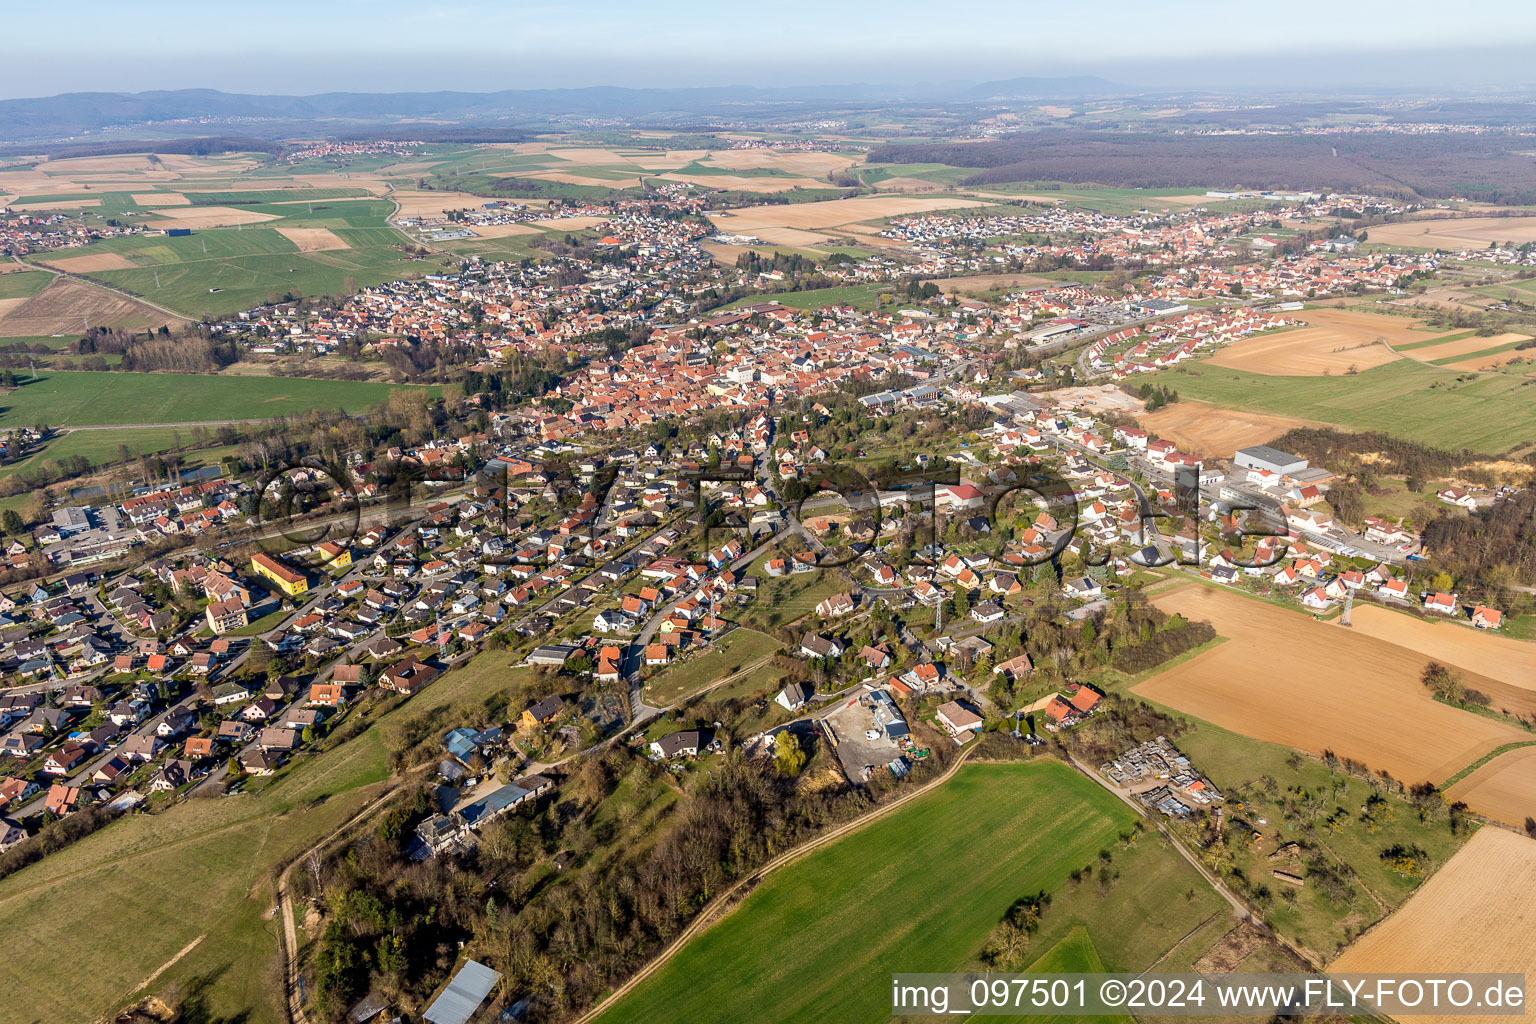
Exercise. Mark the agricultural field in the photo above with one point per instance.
(1214, 433)
(1289, 679)
(1474, 914)
(79, 398)
(1488, 413)
(623, 167)
(1503, 789)
(815, 223)
(867, 902)
(733, 652)
(279, 248)
(1265, 779)
(1455, 232)
(1104, 200)
(1334, 341)
(860, 296)
(1460, 646)
(65, 306)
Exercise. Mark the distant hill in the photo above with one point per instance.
(85, 113)
(1076, 87)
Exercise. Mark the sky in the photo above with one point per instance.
(304, 46)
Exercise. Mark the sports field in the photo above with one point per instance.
(1287, 678)
(1488, 413)
(80, 398)
(919, 890)
(1474, 915)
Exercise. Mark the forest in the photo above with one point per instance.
(1488, 167)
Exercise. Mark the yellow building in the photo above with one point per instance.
(288, 581)
(336, 556)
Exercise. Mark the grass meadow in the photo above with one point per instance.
(1487, 412)
(86, 398)
(920, 889)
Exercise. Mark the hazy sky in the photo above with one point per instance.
(304, 46)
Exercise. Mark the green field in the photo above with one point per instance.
(103, 446)
(217, 271)
(920, 890)
(860, 296)
(23, 284)
(82, 398)
(942, 175)
(735, 651)
(1487, 412)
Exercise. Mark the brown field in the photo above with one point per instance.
(91, 263)
(736, 183)
(1476, 914)
(1508, 664)
(566, 178)
(1335, 340)
(1491, 362)
(1503, 789)
(313, 239)
(98, 164)
(908, 185)
(432, 204)
(1464, 347)
(1308, 352)
(591, 157)
(725, 255)
(812, 165)
(209, 217)
(796, 224)
(161, 199)
(568, 223)
(1456, 232)
(672, 158)
(1211, 432)
(1286, 678)
(61, 307)
(8, 266)
(6, 305)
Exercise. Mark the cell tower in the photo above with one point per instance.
(1349, 605)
